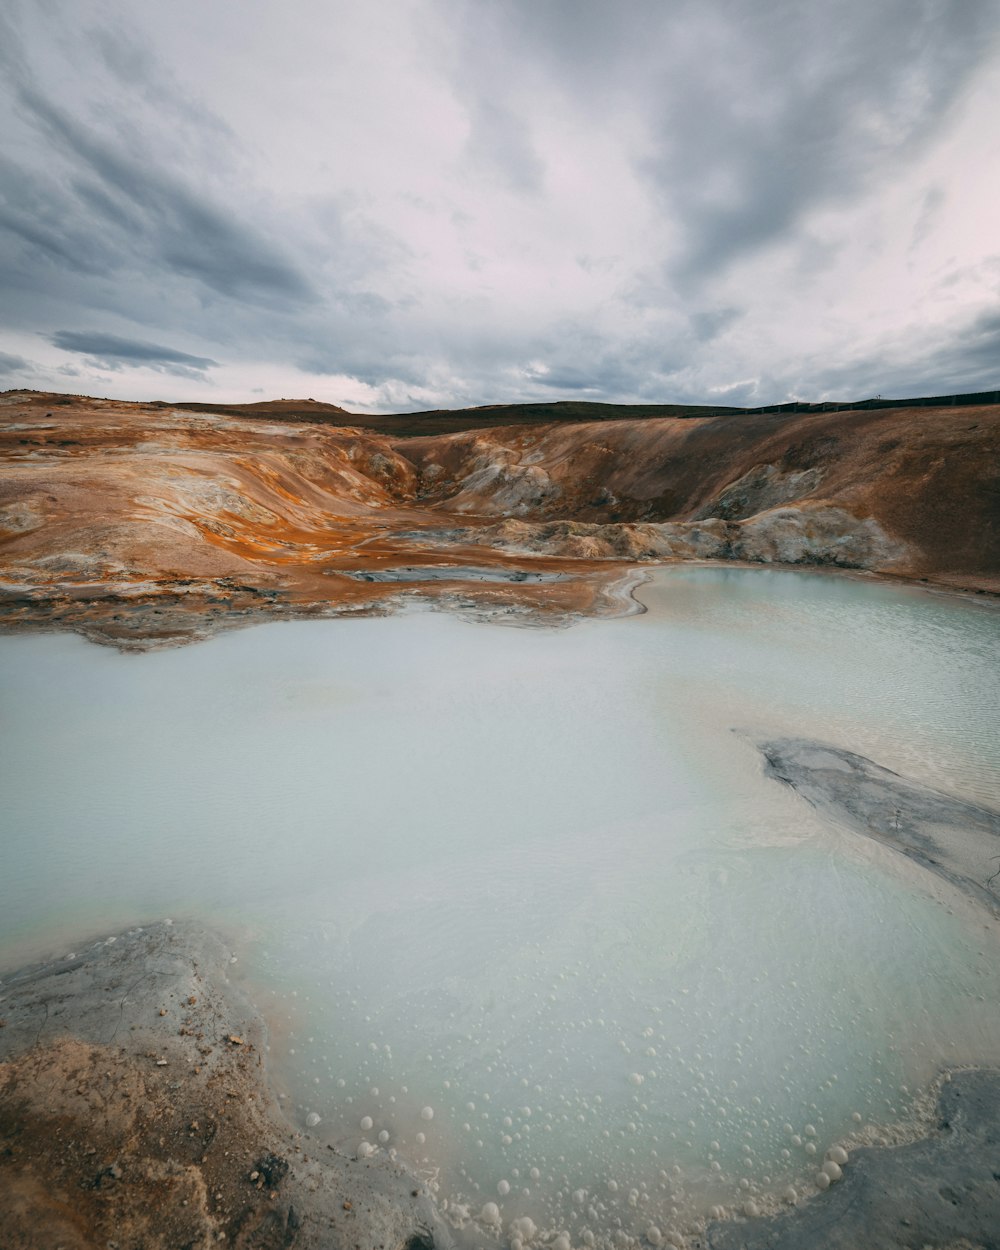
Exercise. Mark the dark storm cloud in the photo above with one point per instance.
(815, 103)
(965, 359)
(485, 200)
(13, 364)
(42, 223)
(756, 113)
(960, 358)
(152, 212)
(111, 347)
(109, 351)
(708, 325)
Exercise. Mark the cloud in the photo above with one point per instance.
(965, 358)
(788, 106)
(13, 364)
(112, 352)
(153, 211)
(485, 200)
(500, 141)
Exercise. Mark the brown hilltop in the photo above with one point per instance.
(450, 420)
(139, 522)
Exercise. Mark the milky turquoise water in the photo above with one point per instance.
(535, 880)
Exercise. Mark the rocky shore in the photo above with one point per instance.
(135, 1112)
(939, 1193)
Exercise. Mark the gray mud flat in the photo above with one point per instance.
(959, 841)
(135, 1111)
(940, 1192)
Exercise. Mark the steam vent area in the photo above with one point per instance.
(534, 827)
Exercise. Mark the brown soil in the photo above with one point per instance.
(135, 1115)
(139, 524)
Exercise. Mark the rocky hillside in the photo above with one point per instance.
(922, 484)
(139, 522)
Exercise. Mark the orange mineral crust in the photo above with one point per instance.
(143, 524)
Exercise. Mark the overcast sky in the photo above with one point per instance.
(401, 204)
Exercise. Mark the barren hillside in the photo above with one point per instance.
(140, 523)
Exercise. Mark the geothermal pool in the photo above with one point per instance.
(521, 904)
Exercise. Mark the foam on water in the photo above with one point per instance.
(520, 904)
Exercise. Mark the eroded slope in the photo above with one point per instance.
(141, 523)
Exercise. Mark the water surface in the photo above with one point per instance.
(534, 881)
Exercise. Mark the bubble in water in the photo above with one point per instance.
(427, 1113)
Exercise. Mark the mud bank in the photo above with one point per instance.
(942, 1191)
(135, 1111)
(958, 841)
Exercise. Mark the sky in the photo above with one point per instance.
(407, 204)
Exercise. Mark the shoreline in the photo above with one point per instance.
(135, 1107)
(135, 1100)
(613, 594)
(59, 1065)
